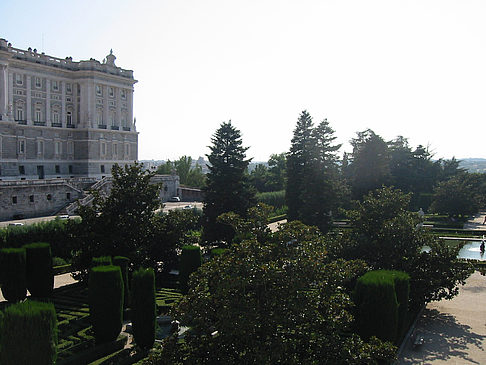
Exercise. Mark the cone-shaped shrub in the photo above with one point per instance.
(377, 307)
(402, 291)
(105, 294)
(28, 334)
(190, 261)
(40, 278)
(143, 307)
(123, 262)
(14, 286)
(101, 261)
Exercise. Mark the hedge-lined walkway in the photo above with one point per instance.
(476, 222)
(59, 280)
(454, 330)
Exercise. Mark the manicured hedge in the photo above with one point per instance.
(217, 252)
(143, 307)
(13, 274)
(101, 261)
(123, 263)
(29, 334)
(105, 293)
(377, 306)
(190, 261)
(402, 291)
(40, 278)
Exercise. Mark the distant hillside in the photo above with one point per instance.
(473, 164)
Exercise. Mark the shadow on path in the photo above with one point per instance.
(445, 339)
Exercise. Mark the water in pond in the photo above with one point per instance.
(471, 251)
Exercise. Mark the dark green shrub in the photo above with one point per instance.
(402, 291)
(143, 307)
(105, 294)
(190, 261)
(274, 198)
(123, 263)
(101, 261)
(58, 261)
(217, 252)
(14, 284)
(40, 278)
(29, 334)
(376, 306)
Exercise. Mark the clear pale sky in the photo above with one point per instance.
(411, 68)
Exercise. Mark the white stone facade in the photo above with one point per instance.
(63, 119)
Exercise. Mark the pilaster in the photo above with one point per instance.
(63, 103)
(29, 99)
(10, 106)
(48, 101)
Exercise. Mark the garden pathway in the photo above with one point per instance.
(476, 223)
(454, 331)
(59, 280)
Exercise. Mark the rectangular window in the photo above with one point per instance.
(69, 88)
(111, 92)
(123, 94)
(57, 148)
(31, 198)
(69, 118)
(55, 117)
(14, 200)
(22, 170)
(20, 113)
(19, 80)
(70, 167)
(58, 169)
(127, 149)
(115, 149)
(21, 146)
(99, 117)
(55, 85)
(103, 148)
(38, 83)
(68, 196)
(99, 90)
(102, 169)
(70, 147)
(40, 147)
(38, 115)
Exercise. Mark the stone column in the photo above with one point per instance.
(10, 104)
(118, 108)
(48, 101)
(29, 99)
(63, 103)
(130, 109)
(3, 92)
(105, 106)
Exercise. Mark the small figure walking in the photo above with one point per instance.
(484, 221)
(481, 247)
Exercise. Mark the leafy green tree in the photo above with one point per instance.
(387, 236)
(227, 186)
(122, 223)
(167, 168)
(196, 178)
(277, 166)
(314, 187)
(369, 167)
(259, 178)
(274, 302)
(460, 195)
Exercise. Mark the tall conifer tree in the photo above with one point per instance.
(227, 185)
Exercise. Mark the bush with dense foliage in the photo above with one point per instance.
(101, 261)
(279, 301)
(40, 277)
(401, 280)
(105, 292)
(377, 306)
(275, 199)
(13, 274)
(28, 334)
(143, 307)
(191, 259)
(56, 232)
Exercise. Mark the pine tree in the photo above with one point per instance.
(314, 187)
(298, 161)
(227, 186)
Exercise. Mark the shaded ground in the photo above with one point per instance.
(476, 223)
(454, 330)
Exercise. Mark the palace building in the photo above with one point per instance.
(63, 119)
